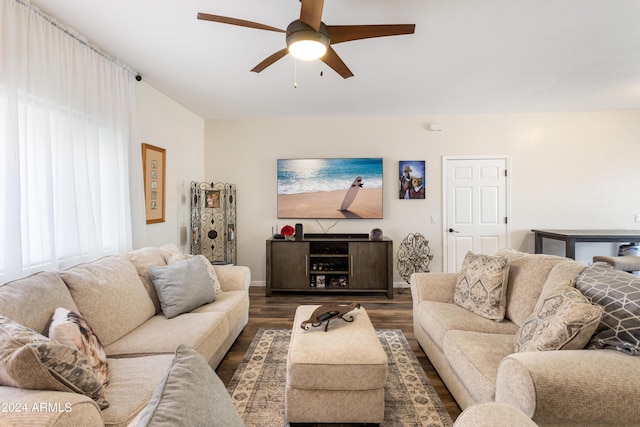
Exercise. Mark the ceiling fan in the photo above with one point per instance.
(309, 38)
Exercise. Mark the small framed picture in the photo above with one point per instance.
(412, 179)
(212, 199)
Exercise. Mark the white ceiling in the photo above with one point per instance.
(466, 56)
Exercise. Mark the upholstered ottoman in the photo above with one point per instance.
(337, 375)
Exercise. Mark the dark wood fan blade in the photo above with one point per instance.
(346, 33)
(238, 22)
(332, 59)
(311, 13)
(270, 60)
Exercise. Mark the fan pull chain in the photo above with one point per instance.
(295, 74)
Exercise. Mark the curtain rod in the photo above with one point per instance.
(78, 37)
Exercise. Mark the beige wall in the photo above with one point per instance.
(165, 123)
(568, 170)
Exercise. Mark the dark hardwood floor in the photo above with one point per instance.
(278, 310)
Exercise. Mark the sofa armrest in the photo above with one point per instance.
(577, 387)
(233, 277)
(437, 287)
(492, 414)
(47, 408)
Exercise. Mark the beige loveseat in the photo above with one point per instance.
(476, 357)
(117, 298)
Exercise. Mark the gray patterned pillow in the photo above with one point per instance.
(30, 360)
(618, 293)
(482, 284)
(564, 320)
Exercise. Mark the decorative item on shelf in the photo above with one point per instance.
(414, 256)
(299, 233)
(327, 312)
(288, 232)
(375, 234)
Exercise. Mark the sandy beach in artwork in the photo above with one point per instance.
(367, 204)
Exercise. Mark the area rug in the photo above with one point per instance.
(257, 387)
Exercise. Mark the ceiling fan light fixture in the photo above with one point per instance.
(305, 43)
(307, 50)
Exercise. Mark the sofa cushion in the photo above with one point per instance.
(190, 393)
(564, 320)
(481, 285)
(110, 296)
(527, 276)
(142, 259)
(69, 409)
(183, 286)
(560, 274)
(42, 293)
(234, 305)
(204, 332)
(618, 293)
(69, 328)
(437, 318)
(173, 258)
(133, 380)
(32, 361)
(475, 358)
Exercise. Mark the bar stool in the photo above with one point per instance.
(630, 264)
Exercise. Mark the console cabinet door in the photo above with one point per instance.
(369, 267)
(289, 265)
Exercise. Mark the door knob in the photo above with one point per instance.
(451, 230)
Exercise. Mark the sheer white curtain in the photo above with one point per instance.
(66, 149)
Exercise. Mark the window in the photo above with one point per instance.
(66, 125)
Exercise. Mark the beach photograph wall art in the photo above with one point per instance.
(330, 188)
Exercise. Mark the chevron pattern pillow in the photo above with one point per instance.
(618, 293)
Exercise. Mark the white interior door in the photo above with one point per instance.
(476, 206)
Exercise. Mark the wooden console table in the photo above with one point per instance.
(330, 263)
(570, 237)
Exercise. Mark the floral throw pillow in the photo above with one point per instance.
(30, 360)
(564, 320)
(173, 258)
(482, 284)
(69, 328)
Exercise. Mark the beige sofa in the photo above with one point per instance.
(476, 358)
(116, 297)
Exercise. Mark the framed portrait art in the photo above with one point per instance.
(412, 179)
(212, 199)
(153, 169)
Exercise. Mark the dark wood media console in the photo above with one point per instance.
(330, 263)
